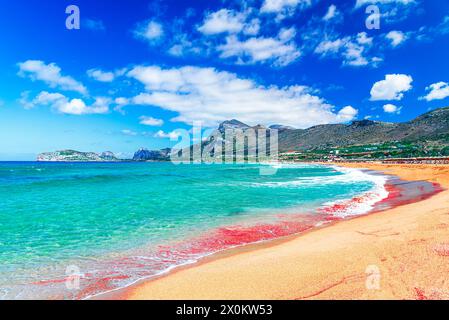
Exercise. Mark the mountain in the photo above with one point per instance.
(429, 128)
(76, 156)
(108, 156)
(152, 155)
(232, 125)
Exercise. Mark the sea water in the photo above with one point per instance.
(116, 223)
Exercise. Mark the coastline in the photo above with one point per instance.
(405, 244)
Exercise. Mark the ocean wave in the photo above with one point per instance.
(363, 203)
(346, 177)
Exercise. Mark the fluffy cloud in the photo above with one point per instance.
(281, 51)
(174, 135)
(100, 75)
(327, 46)
(50, 74)
(361, 3)
(252, 28)
(392, 88)
(105, 76)
(391, 108)
(150, 31)
(332, 12)
(351, 49)
(121, 101)
(223, 21)
(128, 132)
(396, 37)
(348, 113)
(150, 121)
(279, 6)
(438, 91)
(62, 104)
(211, 96)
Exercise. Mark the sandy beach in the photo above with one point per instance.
(401, 253)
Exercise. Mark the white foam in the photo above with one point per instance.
(370, 198)
(349, 176)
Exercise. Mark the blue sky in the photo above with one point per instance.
(136, 71)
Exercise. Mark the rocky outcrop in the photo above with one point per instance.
(152, 155)
(76, 156)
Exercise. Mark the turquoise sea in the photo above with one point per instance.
(118, 222)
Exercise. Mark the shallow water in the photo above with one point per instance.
(119, 222)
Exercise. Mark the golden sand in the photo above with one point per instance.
(402, 253)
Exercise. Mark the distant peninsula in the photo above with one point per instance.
(107, 156)
(76, 156)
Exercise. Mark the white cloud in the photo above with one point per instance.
(277, 6)
(328, 46)
(150, 31)
(183, 45)
(352, 50)
(396, 37)
(346, 114)
(354, 55)
(331, 13)
(174, 135)
(100, 75)
(363, 39)
(281, 51)
(287, 34)
(105, 76)
(252, 28)
(438, 91)
(222, 21)
(128, 132)
(211, 96)
(150, 121)
(50, 74)
(392, 88)
(391, 108)
(361, 3)
(62, 104)
(121, 101)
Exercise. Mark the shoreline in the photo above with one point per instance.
(178, 283)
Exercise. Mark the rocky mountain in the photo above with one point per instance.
(152, 155)
(232, 125)
(108, 156)
(76, 156)
(429, 128)
(432, 127)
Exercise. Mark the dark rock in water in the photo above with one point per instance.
(152, 155)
